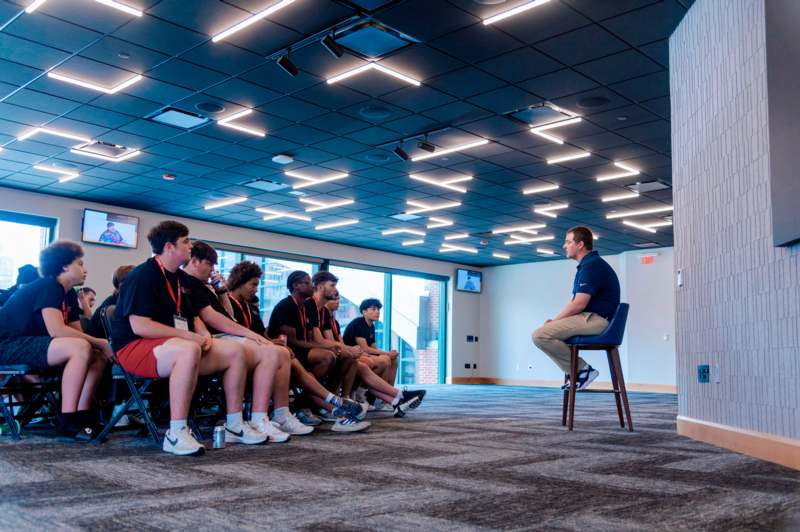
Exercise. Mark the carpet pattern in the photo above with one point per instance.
(470, 458)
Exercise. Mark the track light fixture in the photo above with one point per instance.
(332, 46)
(400, 152)
(285, 62)
(427, 146)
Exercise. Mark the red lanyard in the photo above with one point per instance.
(248, 318)
(176, 300)
(64, 312)
(334, 327)
(301, 309)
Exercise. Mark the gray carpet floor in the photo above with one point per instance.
(470, 458)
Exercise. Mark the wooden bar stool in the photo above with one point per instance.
(609, 341)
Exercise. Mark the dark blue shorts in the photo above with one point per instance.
(30, 350)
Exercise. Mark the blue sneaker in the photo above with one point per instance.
(307, 417)
(585, 377)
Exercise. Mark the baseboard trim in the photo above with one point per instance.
(777, 449)
(596, 385)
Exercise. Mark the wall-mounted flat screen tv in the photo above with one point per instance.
(469, 281)
(110, 229)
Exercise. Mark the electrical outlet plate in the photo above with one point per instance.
(703, 373)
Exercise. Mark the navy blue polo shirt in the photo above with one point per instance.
(596, 278)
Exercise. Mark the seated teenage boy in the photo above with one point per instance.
(361, 332)
(95, 327)
(289, 318)
(156, 333)
(268, 364)
(401, 400)
(40, 327)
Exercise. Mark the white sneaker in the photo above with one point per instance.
(182, 443)
(274, 434)
(295, 427)
(350, 424)
(247, 434)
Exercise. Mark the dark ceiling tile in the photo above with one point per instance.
(504, 100)
(581, 45)
(418, 99)
(243, 93)
(619, 67)
(558, 84)
(465, 82)
(523, 63)
(440, 18)
(476, 43)
(654, 22)
(602, 10)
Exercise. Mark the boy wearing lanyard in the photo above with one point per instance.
(156, 333)
(268, 364)
(290, 318)
(40, 326)
(401, 400)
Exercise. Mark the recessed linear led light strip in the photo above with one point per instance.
(413, 242)
(311, 181)
(422, 207)
(438, 222)
(461, 147)
(66, 174)
(641, 212)
(452, 247)
(399, 231)
(447, 183)
(456, 236)
(274, 215)
(544, 251)
(36, 4)
(336, 224)
(539, 190)
(566, 158)
(321, 206)
(373, 66)
(546, 211)
(251, 20)
(627, 173)
(79, 151)
(518, 228)
(650, 228)
(618, 197)
(224, 203)
(501, 256)
(228, 122)
(515, 11)
(89, 85)
(31, 132)
(540, 130)
(518, 240)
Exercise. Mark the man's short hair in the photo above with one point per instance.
(86, 290)
(27, 274)
(369, 303)
(242, 273)
(582, 234)
(322, 277)
(110, 224)
(167, 231)
(54, 257)
(294, 278)
(202, 251)
(120, 274)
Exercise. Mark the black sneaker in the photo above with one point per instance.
(409, 399)
(349, 408)
(586, 376)
(67, 434)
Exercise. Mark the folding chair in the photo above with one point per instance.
(41, 393)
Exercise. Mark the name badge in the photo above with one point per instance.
(181, 323)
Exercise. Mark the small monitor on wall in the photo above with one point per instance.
(110, 229)
(469, 281)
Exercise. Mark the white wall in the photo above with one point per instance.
(102, 260)
(519, 298)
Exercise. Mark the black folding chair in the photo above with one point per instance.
(36, 395)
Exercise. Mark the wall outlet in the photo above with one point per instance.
(476, 339)
(679, 280)
(703, 373)
(716, 373)
(474, 366)
(466, 365)
(530, 367)
(470, 338)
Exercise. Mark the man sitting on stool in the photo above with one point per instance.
(595, 298)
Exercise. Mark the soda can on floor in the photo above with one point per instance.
(219, 437)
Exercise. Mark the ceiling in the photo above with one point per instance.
(605, 61)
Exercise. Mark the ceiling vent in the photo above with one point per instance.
(646, 245)
(648, 186)
(371, 39)
(178, 118)
(105, 150)
(266, 185)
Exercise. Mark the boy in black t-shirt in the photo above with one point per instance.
(290, 317)
(361, 332)
(40, 327)
(95, 327)
(156, 333)
(400, 400)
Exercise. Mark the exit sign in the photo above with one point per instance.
(647, 259)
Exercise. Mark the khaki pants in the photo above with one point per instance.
(550, 336)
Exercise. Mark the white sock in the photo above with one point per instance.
(256, 417)
(279, 415)
(397, 397)
(233, 421)
(332, 399)
(176, 424)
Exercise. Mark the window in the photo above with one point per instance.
(417, 325)
(22, 237)
(355, 285)
(272, 287)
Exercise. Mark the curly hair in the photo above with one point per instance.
(57, 255)
(242, 273)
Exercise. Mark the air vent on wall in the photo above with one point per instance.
(266, 185)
